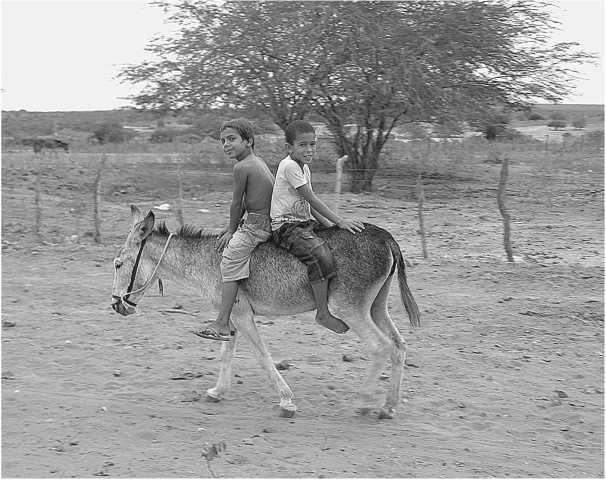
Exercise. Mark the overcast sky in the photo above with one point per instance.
(64, 55)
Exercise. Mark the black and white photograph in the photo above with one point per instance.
(302, 239)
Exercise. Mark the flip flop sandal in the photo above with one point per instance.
(211, 334)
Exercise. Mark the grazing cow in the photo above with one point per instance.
(50, 143)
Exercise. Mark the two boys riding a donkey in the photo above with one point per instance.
(316, 259)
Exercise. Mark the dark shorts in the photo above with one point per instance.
(299, 238)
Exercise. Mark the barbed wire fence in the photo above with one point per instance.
(53, 197)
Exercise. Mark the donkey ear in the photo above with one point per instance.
(135, 214)
(147, 225)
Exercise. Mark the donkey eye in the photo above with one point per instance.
(117, 263)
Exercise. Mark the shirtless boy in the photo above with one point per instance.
(253, 184)
(292, 205)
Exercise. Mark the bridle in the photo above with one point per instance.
(133, 275)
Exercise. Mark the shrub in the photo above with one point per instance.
(112, 132)
(162, 135)
(579, 122)
(535, 116)
(557, 116)
(187, 138)
(557, 124)
(206, 128)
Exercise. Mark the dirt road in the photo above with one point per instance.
(504, 379)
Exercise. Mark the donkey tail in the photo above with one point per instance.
(407, 299)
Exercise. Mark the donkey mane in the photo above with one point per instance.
(186, 231)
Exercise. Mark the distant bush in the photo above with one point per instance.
(162, 135)
(509, 133)
(112, 132)
(579, 122)
(187, 138)
(181, 135)
(558, 116)
(535, 116)
(557, 124)
(206, 128)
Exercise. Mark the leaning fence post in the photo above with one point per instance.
(38, 204)
(97, 199)
(179, 194)
(420, 200)
(338, 182)
(503, 208)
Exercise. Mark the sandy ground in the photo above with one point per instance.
(504, 378)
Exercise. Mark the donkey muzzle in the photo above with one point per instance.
(120, 307)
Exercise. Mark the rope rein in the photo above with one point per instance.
(133, 275)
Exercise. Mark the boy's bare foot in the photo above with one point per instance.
(331, 322)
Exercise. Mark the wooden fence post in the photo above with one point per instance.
(179, 194)
(38, 205)
(503, 208)
(338, 182)
(97, 199)
(420, 200)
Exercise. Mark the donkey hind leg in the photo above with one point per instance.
(243, 319)
(380, 315)
(376, 343)
(223, 385)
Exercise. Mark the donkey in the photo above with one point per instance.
(366, 263)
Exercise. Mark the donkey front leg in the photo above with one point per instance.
(223, 385)
(243, 319)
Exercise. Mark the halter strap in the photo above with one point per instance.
(133, 275)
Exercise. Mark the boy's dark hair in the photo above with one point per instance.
(295, 128)
(244, 127)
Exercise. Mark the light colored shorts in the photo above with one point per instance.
(255, 229)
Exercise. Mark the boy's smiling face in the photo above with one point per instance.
(234, 145)
(303, 148)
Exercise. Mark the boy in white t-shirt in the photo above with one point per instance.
(293, 203)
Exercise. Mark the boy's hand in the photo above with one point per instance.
(351, 225)
(224, 240)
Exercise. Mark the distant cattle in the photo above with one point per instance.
(40, 144)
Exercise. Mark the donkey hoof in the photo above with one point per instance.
(287, 412)
(212, 397)
(386, 412)
(364, 410)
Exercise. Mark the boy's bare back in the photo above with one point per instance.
(259, 184)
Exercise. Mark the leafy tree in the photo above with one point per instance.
(371, 64)
(579, 122)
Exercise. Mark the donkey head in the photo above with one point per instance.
(132, 269)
